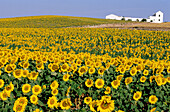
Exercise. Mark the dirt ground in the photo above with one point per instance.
(138, 26)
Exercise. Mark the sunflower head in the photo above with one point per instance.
(153, 99)
(52, 101)
(65, 104)
(99, 83)
(89, 83)
(115, 84)
(66, 77)
(34, 99)
(108, 90)
(36, 90)
(87, 100)
(26, 88)
(143, 79)
(54, 84)
(128, 80)
(137, 95)
(1, 83)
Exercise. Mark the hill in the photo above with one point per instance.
(53, 22)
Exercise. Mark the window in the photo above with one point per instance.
(159, 15)
(159, 20)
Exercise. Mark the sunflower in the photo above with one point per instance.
(145, 72)
(18, 73)
(44, 59)
(26, 88)
(101, 70)
(112, 60)
(139, 67)
(54, 84)
(115, 84)
(107, 66)
(3, 95)
(9, 68)
(29, 75)
(143, 79)
(137, 95)
(99, 83)
(23, 101)
(168, 69)
(127, 67)
(54, 92)
(26, 65)
(82, 70)
(122, 70)
(1, 83)
(37, 110)
(64, 67)
(78, 62)
(88, 63)
(105, 105)
(74, 67)
(89, 83)
(25, 73)
(153, 109)
(54, 67)
(9, 89)
(153, 99)
(18, 107)
(128, 80)
(108, 90)
(98, 64)
(65, 104)
(151, 78)
(40, 66)
(91, 70)
(66, 77)
(34, 75)
(93, 105)
(164, 81)
(87, 100)
(158, 80)
(36, 90)
(34, 99)
(133, 71)
(119, 77)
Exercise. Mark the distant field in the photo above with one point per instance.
(136, 25)
(53, 22)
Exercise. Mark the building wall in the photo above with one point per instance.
(157, 18)
(114, 17)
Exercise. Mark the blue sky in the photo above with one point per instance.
(84, 8)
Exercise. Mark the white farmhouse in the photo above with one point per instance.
(156, 18)
(112, 16)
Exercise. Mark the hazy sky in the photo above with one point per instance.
(84, 8)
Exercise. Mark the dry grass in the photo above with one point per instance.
(139, 25)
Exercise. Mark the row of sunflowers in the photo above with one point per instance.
(79, 69)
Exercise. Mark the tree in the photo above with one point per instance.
(123, 18)
(143, 20)
(129, 19)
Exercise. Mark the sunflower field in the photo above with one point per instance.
(84, 69)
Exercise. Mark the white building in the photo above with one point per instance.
(156, 18)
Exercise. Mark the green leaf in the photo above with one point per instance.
(40, 103)
(141, 104)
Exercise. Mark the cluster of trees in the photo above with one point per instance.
(143, 20)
